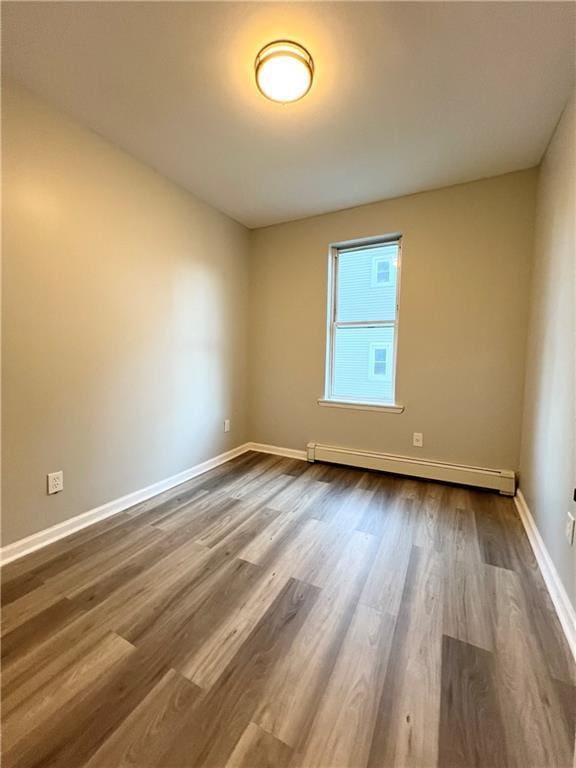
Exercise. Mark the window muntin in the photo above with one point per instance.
(361, 359)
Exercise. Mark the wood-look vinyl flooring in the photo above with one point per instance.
(274, 613)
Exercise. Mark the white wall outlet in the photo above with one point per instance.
(55, 482)
(418, 439)
(570, 528)
(226, 425)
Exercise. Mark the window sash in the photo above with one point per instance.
(334, 323)
(363, 323)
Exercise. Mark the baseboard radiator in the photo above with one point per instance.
(501, 480)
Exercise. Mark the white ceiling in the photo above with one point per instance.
(407, 96)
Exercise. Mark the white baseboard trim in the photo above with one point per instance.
(496, 479)
(275, 450)
(564, 608)
(49, 535)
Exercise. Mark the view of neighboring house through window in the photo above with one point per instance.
(361, 358)
(381, 272)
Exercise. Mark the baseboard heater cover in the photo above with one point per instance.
(502, 480)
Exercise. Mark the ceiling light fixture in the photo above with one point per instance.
(284, 71)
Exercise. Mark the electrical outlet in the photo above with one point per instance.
(226, 425)
(570, 526)
(55, 482)
(418, 439)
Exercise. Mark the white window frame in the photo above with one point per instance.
(333, 324)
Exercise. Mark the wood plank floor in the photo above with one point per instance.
(275, 613)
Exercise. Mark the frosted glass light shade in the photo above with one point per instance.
(284, 71)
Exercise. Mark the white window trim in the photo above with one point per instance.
(328, 400)
(350, 405)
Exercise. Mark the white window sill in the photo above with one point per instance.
(380, 407)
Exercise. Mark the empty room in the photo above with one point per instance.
(288, 384)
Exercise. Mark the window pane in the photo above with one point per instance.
(383, 271)
(380, 355)
(358, 374)
(366, 284)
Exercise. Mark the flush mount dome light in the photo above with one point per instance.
(284, 71)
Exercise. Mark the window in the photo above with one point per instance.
(380, 368)
(381, 271)
(363, 323)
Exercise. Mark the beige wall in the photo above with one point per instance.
(548, 465)
(124, 310)
(125, 318)
(463, 316)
